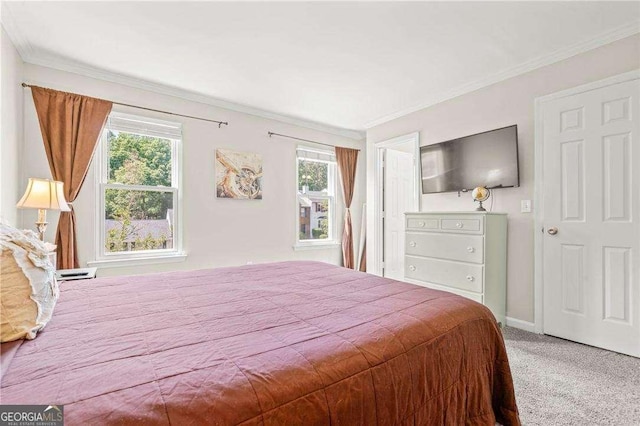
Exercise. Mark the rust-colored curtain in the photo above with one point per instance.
(71, 125)
(347, 159)
(363, 259)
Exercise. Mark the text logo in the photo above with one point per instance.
(31, 415)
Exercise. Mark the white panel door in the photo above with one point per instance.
(592, 199)
(399, 198)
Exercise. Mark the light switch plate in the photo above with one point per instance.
(525, 206)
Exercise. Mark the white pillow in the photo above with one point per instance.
(28, 288)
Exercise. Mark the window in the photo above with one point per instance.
(138, 214)
(316, 197)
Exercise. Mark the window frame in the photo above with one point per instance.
(102, 256)
(330, 196)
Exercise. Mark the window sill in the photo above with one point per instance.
(135, 261)
(317, 246)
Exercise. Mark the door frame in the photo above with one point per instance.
(539, 105)
(378, 232)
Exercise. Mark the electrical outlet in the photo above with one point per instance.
(250, 262)
(525, 206)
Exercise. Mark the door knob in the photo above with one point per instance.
(470, 249)
(412, 243)
(412, 268)
(552, 231)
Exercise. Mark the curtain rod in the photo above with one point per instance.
(220, 123)
(306, 140)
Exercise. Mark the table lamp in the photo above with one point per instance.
(43, 194)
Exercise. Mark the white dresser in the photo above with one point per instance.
(461, 252)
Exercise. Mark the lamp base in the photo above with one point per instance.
(41, 223)
(41, 227)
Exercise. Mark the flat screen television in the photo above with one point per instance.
(487, 159)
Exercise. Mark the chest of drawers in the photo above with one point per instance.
(463, 253)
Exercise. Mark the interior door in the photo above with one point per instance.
(592, 217)
(399, 197)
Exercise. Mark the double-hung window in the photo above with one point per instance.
(316, 206)
(139, 188)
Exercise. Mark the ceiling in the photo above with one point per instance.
(348, 65)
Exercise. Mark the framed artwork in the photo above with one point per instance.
(238, 175)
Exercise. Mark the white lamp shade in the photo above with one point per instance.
(44, 194)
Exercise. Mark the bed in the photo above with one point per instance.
(291, 343)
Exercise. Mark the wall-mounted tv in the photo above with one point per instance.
(487, 159)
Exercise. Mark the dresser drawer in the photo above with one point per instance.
(422, 223)
(433, 222)
(464, 276)
(476, 297)
(462, 225)
(465, 248)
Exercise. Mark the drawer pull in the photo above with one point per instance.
(421, 224)
(470, 249)
(459, 225)
(412, 243)
(412, 268)
(470, 278)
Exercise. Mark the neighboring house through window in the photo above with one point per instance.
(316, 196)
(138, 188)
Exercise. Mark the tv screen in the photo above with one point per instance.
(487, 159)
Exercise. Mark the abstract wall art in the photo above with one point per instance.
(238, 175)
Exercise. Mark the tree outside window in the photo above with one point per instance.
(316, 190)
(139, 192)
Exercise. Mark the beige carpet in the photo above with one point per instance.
(559, 382)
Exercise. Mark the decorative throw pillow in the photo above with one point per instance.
(28, 288)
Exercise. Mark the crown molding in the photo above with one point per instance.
(100, 74)
(31, 56)
(542, 61)
(21, 43)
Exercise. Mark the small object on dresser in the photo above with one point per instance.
(481, 194)
(76, 274)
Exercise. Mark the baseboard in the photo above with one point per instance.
(522, 325)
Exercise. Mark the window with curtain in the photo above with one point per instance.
(139, 184)
(316, 189)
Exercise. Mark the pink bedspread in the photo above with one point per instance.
(295, 343)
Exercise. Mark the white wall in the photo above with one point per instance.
(217, 232)
(10, 128)
(499, 105)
